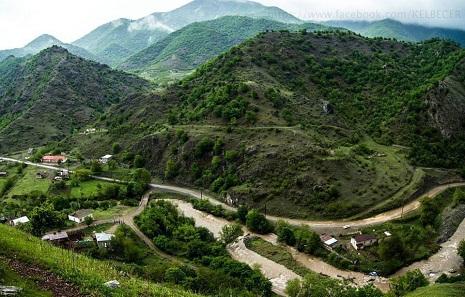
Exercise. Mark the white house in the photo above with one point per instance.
(328, 240)
(103, 239)
(105, 159)
(361, 241)
(20, 221)
(80, 215)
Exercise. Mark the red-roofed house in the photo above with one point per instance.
(54, 159)
(359, 242)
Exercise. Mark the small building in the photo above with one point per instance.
(105, 159)
(328, 240)
(41, 175)
(64, 174)
(80, 215)
(387, 233)
(30, 151)
(361, 241)
(3, 174)
(20, 221)
(56, 238)
(58, 159)
(103, 239)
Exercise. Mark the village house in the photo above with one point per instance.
(328, 240)
(3, 173)
(105, 159)
(20, 221)
(58, 238)
(361, 241)
(80, 215)
(54, 159)
(103, 239)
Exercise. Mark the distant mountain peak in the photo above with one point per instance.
(44, 39)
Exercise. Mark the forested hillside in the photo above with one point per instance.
(186, 49)
(289, 119)
(48, 96)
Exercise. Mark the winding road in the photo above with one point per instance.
(444, 261)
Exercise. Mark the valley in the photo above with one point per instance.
(229, 148)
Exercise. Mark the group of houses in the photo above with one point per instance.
(65, 239)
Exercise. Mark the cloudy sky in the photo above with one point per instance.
(23, 20)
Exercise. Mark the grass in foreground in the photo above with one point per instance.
(88, 274)
(440, 290)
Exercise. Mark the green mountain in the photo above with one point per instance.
(407, 32)
(42, 42)
(301, 124)
(117, 40)
(47, 96)
(186, 49)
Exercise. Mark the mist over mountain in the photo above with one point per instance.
(132, 36)
(406, 32)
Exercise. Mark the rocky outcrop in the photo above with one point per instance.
(446, 104)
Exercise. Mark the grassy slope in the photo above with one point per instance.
(440, 290)
(87, 273)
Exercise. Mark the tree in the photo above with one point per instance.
(306, 240)
(391, 248)
(314, 285)
(95, 167)
(139, 161)
(141, 175)
(429, 212)
(461, 249)
(242, 212)
(44, 218)
(258, 223)
(409, 282)
(171, 169)
(116, 148)
(285, 233)
(88, 220)
(82, 175)
(230, 233)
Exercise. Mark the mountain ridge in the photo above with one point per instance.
(136, 35)
(46, 96)
(390, 28)
(42, 42)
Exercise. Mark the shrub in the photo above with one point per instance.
(257, 222)
(409, 282)
(230, 233)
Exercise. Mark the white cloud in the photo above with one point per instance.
(23, 20)
(149, 23)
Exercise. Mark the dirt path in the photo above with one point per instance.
(44, 279)
(444, 261)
